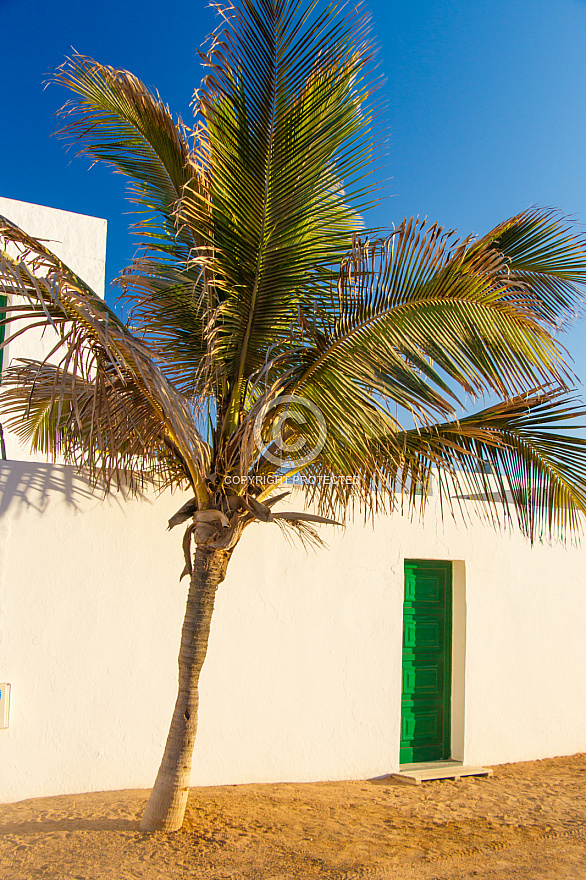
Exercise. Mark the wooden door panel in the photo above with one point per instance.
(423, 634)
(427, 633)
(421, 726)
(421, 678)
(422, 589)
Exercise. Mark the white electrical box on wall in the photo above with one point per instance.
(4, 704)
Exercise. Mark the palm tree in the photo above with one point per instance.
(271, 337)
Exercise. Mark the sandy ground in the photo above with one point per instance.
(528, 821)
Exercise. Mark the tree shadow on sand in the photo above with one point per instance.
(46, 826)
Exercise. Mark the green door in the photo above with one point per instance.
(427, 661)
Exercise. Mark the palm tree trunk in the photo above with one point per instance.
(166, 806)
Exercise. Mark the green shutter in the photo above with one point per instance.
(427, 661)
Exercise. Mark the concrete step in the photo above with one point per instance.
(417, 774)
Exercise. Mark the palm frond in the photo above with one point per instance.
(416, 322)
(115, 118)
(512, 460)
(105, 389)
(168, 311)
(455, 314)
(285, 109)
(545, 256)
(413, 318)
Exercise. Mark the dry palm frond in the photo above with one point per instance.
(106, 392)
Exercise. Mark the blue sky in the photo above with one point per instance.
(484, 106)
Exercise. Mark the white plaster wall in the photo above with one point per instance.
(90, 612)
(303, 675)
(78, 240)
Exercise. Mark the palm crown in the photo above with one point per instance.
(257, 288)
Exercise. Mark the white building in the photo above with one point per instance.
(304, 674)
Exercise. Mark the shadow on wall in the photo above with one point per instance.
(32, 485)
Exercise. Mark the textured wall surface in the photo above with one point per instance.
(303, 675)
(79, 241)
